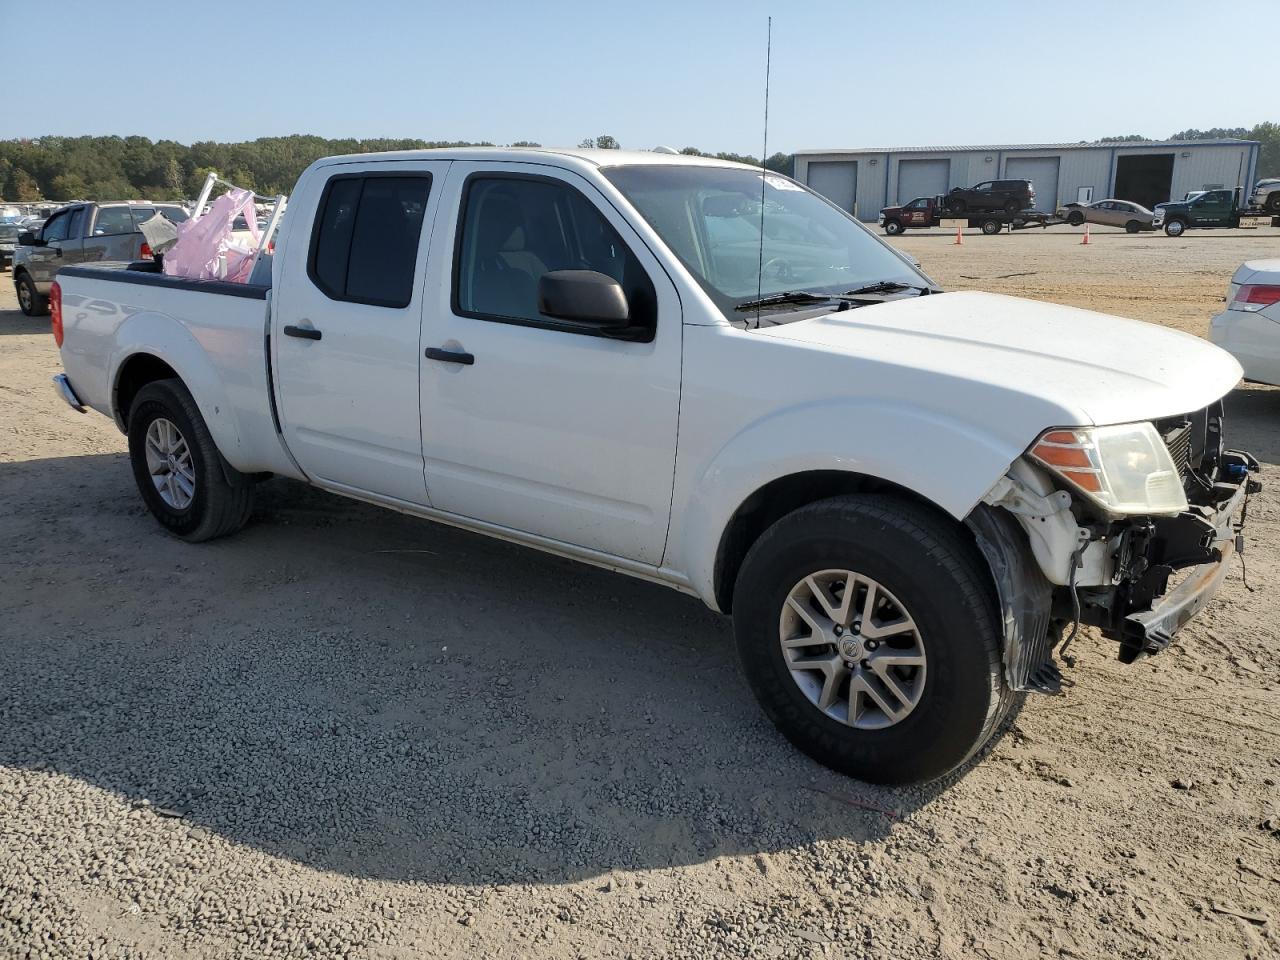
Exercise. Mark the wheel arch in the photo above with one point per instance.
(783, 495)
(152, 346)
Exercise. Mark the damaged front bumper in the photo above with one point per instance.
(1145, 625)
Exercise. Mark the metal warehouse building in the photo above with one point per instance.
(863, 181)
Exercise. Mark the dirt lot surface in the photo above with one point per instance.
(344, 732)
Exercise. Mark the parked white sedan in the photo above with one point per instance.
(1249, 328)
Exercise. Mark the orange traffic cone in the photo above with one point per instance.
(959, 237)
(1085, 241)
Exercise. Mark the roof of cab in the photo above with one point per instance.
(596, 158)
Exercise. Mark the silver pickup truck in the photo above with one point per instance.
(81, 233)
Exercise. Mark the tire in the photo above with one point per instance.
(956, 205)
(892, 227)
(1133, 226)
(1174, 228)
(991, 227)
(1012, 207)
(215, 506)
(29, 299)
(1273, 202)
(1075, 218)
(923, 566)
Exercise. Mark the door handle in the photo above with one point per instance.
(450, 356)
(306, 333)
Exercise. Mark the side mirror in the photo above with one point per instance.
(586, 297)
(26, 239)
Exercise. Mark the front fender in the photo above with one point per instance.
(164, 337)
(942, 459)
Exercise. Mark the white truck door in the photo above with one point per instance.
(346, 327)
(538, 425)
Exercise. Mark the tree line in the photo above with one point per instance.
(124, 168)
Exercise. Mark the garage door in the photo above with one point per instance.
(837, 180)
(1043, 174)
(922, 178)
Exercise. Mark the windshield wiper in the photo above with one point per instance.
(886, 286)
(788, 296)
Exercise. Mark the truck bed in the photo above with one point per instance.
(147, 273)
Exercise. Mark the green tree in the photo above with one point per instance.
(1127, 138)
(68, 186)
(21, 186)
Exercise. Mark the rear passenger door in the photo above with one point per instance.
(534, 424)
(346, 327)
(112, 235)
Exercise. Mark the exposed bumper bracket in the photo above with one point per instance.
(63, 386)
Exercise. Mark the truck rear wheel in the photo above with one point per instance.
(867, 627)
(1273, 202)
(892, 227)
(1174, 228)
(1133, 226)
(991, 227)
(180, 474)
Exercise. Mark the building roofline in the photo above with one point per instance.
(1007, 147)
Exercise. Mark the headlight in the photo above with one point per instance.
(1124, 469)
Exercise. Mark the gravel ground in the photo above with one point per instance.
(344, 732)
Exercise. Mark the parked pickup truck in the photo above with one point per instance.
(81, 233)
(1212, 208)
(931, 211)
(902, 496)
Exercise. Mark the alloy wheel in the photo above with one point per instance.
(170, 465)
(853, 649)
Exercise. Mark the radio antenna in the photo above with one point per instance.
(764, 153)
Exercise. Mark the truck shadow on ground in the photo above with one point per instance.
(385, 697)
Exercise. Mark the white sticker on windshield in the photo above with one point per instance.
(781, 183)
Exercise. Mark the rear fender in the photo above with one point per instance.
(163, 337)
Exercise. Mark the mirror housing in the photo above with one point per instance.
(26, 239)
(586, 297)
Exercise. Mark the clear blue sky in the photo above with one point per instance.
(688, 73)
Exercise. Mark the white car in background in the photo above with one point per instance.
(1249, 329)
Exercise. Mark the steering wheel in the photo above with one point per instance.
(781, 269)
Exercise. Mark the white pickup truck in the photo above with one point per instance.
(706, 376)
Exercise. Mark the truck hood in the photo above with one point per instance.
(1094, 368)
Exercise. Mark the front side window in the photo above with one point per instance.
(711, 217)
(57, 227)
(364, 247)
(112, 221)
(983, 188)
(515, 229)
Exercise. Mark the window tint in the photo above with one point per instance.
(365, 243)
(173, 214)
(111, 221)
(56, 228)
(75, 229)
(516, 229)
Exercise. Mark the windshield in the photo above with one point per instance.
(710, 218)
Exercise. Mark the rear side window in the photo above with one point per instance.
(364, 246)
(111, 221)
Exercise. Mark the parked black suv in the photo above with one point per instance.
(1009, 196)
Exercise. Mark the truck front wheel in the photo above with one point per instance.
(29, 299)
(892, 227)
(1174, 228)
(1273, 202)
(178, 469)
(867, 627)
